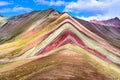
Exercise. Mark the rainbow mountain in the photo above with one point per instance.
(49, 45)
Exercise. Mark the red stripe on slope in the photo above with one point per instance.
(68, 37)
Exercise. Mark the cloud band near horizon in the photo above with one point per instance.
(85, 9)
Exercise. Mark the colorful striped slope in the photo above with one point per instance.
(48, 45)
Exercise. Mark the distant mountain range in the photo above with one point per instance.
(115, 22)
(49, 45)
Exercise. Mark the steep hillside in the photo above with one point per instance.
(109, 33)
(18, 24)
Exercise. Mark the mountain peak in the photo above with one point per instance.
(116, 18)
(113, 22)
(51, 9)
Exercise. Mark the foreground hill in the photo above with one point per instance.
(65, 65)
(48, 45)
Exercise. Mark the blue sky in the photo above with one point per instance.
(85, 9)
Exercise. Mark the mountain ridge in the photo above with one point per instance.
(113, 22)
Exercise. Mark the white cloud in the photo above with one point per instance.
(15, 9)
(96, 9)
(5, 10)
(50, 3)
(85, 5)
(96, 17)
(4, 3)
(101, 9)
(19, 9)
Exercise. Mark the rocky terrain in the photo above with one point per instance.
(49, 45)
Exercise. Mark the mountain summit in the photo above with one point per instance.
(113, 22)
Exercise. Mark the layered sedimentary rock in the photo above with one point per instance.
(56, 46)
(18, 24)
